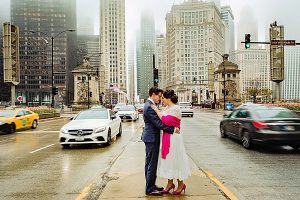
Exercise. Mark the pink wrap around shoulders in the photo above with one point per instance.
(168, 120)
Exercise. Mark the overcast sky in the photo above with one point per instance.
(266, 11)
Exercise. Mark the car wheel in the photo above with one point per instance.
(120, 131)
(34, 124)
(108, 142)
(11, 128)
(246, 140)
(295, 146)
(65, 146)
(222, 131)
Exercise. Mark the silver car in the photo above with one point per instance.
(94, 126)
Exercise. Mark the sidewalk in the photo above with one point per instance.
(128, 179)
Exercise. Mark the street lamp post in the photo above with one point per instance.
(223, 73)
(52, 55)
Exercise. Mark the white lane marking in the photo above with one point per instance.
(41, 132)
(41, 148)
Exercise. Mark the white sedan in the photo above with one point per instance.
(92, 126)
(128, 112)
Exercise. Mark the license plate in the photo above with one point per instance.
(79, 139)
(289, 128)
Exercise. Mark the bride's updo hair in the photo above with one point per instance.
(170, 94)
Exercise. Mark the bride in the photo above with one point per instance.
(173, 161)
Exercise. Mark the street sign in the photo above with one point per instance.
(283, 42)
(20, 98)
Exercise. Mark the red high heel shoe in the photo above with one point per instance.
(168, 190)
(179, 193)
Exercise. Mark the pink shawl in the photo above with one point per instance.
(168, 120)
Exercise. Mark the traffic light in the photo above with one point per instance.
(90, 94)
(247, 41)
(54, 90)
(155, 76)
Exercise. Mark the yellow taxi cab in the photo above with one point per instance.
(17, 118)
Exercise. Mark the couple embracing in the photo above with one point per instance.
(165, 152)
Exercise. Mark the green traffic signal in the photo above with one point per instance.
(247, 41)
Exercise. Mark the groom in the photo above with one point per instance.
(151, 138)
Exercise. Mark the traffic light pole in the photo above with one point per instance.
(88, 94)
(52, 73)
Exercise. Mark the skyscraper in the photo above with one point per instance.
(161, 60)
(228, 18)
(291, 85)
(39, 21)
(131, 80)
(145, 51)
(195, 37)
(112, 45)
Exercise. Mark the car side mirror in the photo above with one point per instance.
(225, 115)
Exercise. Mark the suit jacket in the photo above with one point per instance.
(153, 125)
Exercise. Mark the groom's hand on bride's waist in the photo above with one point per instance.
(177, 130)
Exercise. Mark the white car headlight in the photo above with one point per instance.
(98, 130)
(64, 131)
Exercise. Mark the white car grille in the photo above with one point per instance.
(80, 132)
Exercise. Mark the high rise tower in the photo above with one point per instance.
(39, 21)
(194, 38)
(112, 46)
(145, 52)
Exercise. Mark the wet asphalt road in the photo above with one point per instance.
(34, 166)
(263, 173)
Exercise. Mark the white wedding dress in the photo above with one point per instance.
(176, 164)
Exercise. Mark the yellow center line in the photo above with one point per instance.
(222, 187)
(84, 192)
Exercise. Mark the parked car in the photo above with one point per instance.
(186, 109)
(262, 124)
(17, 118)
(118, 106)
(128, 112)
(93, 126)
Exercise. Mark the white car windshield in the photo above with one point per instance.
(92, 114)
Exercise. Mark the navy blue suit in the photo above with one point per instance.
(151, 138)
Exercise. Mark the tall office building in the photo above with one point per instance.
(131, 80)
(48, 19)
(112, 45)
(228, 18)
(195, 37)
(161, 60)
(145, 51)
(291, 85)
(88, 46)
(254, 64)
